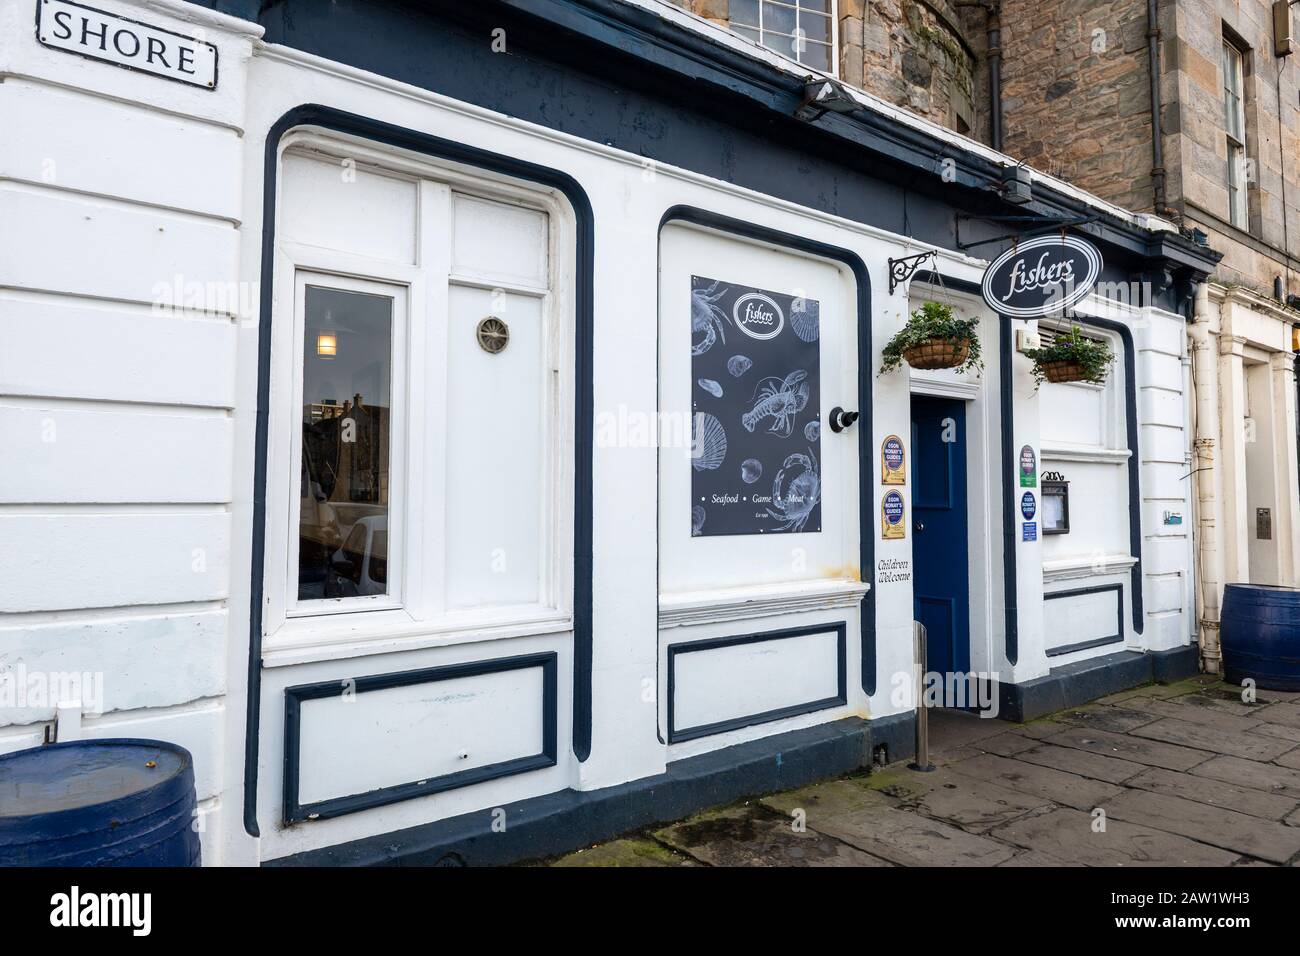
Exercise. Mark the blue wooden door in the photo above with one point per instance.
(940, 583)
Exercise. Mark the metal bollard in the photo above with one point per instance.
(922, 761)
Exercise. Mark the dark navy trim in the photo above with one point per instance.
(1071, 685)
(570, 819)
(1116, 638)
(677, 735)
(866, 437)
(338, 806)
(339, 121)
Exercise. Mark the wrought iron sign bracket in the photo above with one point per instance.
(902, 269)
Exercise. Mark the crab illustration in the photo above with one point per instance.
(707, 318)
(780, 399)
(793, 509)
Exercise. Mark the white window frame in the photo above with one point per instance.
(1234, 112)
(413, 614)
(790, 55)
(400, 407)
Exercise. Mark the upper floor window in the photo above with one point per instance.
(1234, 125)
(800, 29)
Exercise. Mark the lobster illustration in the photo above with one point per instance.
(780, 399)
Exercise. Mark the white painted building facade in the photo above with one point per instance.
(152, 397)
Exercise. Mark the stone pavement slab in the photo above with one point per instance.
(1280, 731)
(1252, 773)
(900, 836)
(1117, 719)
(1197, 714)
(1082, 762)
(1256, 803)
(1007, 744)
(755, 836)
(1054, 785)
(1291, 759)
(967, 802)
(1137, 750)
(1068, 835)
(1202, 737)
(1215, 826)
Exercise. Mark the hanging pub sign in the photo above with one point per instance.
(891, 516)
(893, 467)
(1042, 276)
(755, 411)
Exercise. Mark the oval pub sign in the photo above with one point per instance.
(1041, 276)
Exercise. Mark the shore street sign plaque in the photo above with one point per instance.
(99, 35)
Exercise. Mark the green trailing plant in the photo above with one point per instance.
(934, 320)
(1091, 359)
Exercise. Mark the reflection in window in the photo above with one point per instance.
(347, 396)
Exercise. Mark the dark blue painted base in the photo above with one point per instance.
(1071, 685)
(569, 820)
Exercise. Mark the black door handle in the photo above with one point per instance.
(840, 419)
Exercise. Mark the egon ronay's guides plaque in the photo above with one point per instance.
(756, 416)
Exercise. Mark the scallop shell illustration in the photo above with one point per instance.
(708, 442)
(697, 519)
(812, 431)
(710, 386)
(805, 319)
(738, 365)
(751, 469)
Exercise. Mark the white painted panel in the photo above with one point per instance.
(77, 348)
(73, 560)
(21, 740)
(349, 208)
(112, 250)
(198, 729)
(499, 240)
(1099, 510)
(117, 149)
(120, 662)
(115, 454)
(1072, 414)
(403, 734)
(495, 476)
(742, 680)
(1079, 618)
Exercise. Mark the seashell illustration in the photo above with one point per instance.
(751, 469)
(738, 365)
(805, 319)
(710, 386)
(812, 431)
(708, 442)
(697, 519)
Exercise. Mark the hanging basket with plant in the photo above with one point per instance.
(1071, 357)
(934, 338)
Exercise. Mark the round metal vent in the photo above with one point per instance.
(493, 335)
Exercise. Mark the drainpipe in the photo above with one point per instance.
(1157, 135)
(1209, 480)
(993, 27)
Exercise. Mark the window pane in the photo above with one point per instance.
(816, 28)
(817, 56)
(744, 12)
(778, 18)
(347, 396)
(823, 5)
(746, 32)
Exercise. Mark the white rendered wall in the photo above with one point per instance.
(119, 310)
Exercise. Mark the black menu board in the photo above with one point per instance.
(756, 416)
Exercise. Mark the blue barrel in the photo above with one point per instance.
(98, 803)
(1259, 630)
